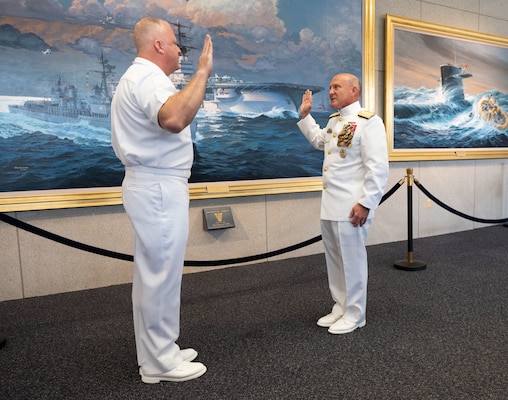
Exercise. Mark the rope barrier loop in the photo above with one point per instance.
(453, 211)
(126, 257)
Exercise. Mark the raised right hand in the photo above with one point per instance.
(306, 105)
(205, 62)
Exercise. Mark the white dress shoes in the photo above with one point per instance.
(328, 320)
(184, 372)
(188, 354)
(344, 326)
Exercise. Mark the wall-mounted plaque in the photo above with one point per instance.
(218, 218)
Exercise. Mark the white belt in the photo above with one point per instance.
(184, 173)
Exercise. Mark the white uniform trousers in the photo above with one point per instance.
(346, 263)
(157, 204)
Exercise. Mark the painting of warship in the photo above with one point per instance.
(450, 98)
(60, 66)
(224, 94)
(234, 96)
(465, 113)
(446, 117)
(66, 104)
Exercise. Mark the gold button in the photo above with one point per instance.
(329, 152)
(324, 187)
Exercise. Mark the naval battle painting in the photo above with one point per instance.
(447, 92)
(60, 62)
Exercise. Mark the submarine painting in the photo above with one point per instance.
(60, 63)
(447, 92)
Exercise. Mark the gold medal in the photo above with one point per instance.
(342, 153)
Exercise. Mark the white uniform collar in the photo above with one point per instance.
(144, 61)
(353, 108)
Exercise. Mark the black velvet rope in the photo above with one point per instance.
(453, 211)
(391, 191)
(126, 257)
(60, 239)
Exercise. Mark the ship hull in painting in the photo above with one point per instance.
(255, 98)
(45, 110)
(66, 106)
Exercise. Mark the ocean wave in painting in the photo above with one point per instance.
(41, 155)
(427, 119)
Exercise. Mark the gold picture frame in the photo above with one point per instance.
(437, 123)
(90, 197)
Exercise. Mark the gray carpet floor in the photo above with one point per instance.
(440, 333)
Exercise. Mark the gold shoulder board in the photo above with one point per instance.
(366, 114)
(334, 115)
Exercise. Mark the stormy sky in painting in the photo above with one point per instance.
(258, 40)
(418, 56)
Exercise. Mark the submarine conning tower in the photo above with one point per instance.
(451, 81)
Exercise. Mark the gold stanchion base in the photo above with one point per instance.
(406, 265)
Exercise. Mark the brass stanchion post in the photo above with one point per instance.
(410, 264)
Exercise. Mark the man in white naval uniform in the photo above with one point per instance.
(355, 172)
(150, 134)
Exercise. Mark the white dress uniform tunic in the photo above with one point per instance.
(355, 170)
(155, 197)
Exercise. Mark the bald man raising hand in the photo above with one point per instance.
(151, 136)
(355, 172)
